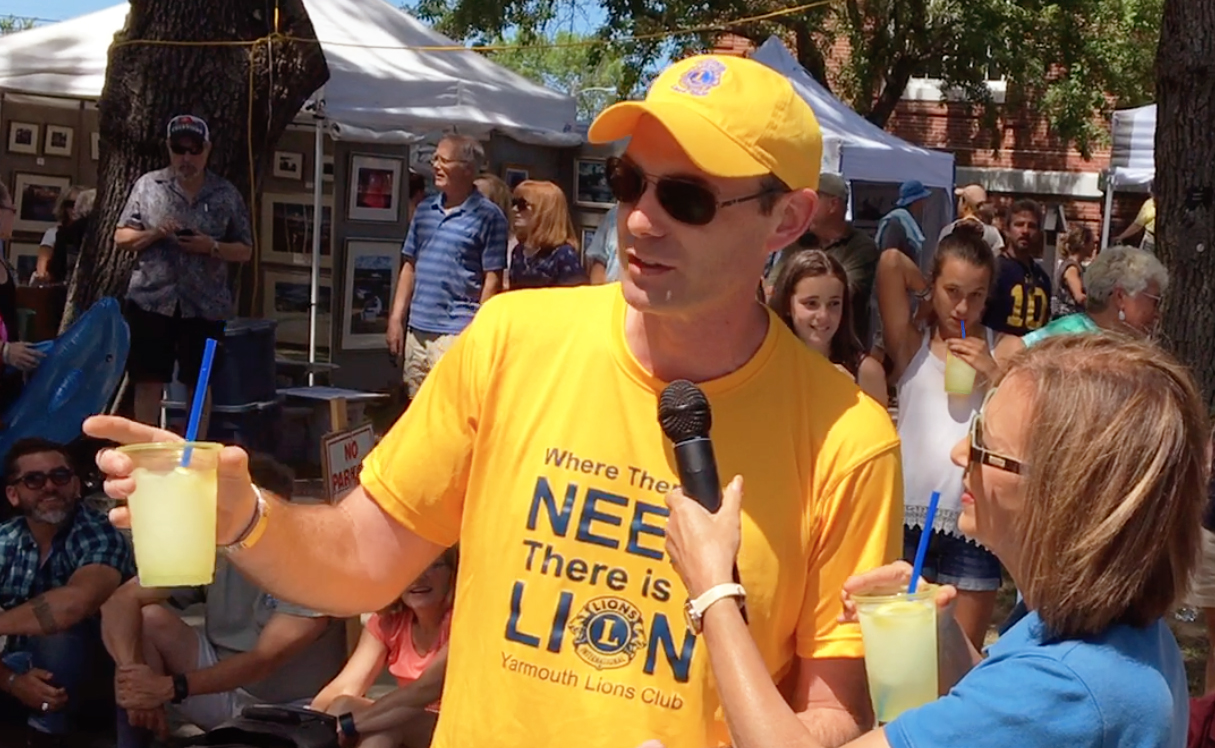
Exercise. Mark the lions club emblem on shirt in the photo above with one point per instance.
(608, 632)
(701, 78)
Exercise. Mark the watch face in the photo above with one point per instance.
(689, 615)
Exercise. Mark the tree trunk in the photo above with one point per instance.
(1185, 182)
(146, 85)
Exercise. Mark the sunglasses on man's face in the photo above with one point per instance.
(182, 150)
(686, 200)
(36, 480)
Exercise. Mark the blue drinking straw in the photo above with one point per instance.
(200, 396)
(922, 550)
(963, 324)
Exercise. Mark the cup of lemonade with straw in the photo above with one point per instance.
(899, 632)
(959, 375)
(173, 507)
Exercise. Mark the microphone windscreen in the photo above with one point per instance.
(683, 411)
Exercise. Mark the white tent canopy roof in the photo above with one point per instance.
(852, 145)
(1133, 156)
(377, 90)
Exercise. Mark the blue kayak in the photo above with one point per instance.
(81, 370)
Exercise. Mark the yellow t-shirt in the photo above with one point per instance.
(1147, 217)
(535, 444)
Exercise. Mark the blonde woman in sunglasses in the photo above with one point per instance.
(1085, 473)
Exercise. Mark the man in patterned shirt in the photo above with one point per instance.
(59, 561)
(185, 224)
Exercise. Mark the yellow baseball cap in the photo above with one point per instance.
(734, 117)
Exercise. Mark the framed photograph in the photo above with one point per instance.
(513, 175)
(95, 146)
(287, 225)
(288, 165)
(23, 138)
(590, 184)
(23, 256)
(371, 275)
(286, 299)
(58, 140)
(588, 235)
(375, 189)
(36, 196)
(327, 169)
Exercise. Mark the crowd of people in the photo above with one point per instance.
(1076, 468)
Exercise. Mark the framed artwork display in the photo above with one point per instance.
(287, 298)
(23, 256)
(95, 146)
(327, 169)
(287, 225)
(23, 137)
(35, 197)
(375, 189)
(372, 267)
(513, 175)
(590, 184)
(58, 140)
(288, 165)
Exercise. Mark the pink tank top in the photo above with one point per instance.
(404, 662)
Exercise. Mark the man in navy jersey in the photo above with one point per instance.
(1020, 297)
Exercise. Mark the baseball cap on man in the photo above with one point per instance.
(833, 185)
(734, 117)
(187, 127)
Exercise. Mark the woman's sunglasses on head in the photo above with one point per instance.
(687, 201)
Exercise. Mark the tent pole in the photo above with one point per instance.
(318, 178)
(1109, 209)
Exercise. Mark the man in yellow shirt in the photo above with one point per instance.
(535, 444)
(1145, 221)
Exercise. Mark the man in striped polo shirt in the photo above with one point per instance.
(455, 254)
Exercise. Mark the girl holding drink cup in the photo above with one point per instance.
(1084, 472)
(946, 337)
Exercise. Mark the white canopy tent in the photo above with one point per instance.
(378, 89)
(382, 87)
(852, 145)
(1132, 156)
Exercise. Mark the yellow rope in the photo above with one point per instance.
(275, 35)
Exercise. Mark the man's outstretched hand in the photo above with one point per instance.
(235, 498)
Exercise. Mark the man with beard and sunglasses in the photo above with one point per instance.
(185, 225)
(535, 443)
(59, 561)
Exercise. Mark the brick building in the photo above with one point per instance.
(1028, 162)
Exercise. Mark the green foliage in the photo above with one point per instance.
(1071, 61)
(10, 24)
(569, 62)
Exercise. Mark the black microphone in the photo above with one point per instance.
(685, 417)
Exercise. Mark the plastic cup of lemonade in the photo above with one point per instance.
(900, 636)
(959, 375)
(173, 512)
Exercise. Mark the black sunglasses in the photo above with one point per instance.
(181, 150)
(685, 200)
(36, 480)
(520, 204)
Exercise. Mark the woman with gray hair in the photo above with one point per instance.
(1123, 287)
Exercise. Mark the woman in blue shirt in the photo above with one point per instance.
(1085, 475)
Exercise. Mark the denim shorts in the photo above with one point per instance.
(953, 560)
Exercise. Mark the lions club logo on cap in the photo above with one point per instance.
(608, 632)
(701, 78)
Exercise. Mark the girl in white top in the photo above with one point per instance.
(930, 421)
